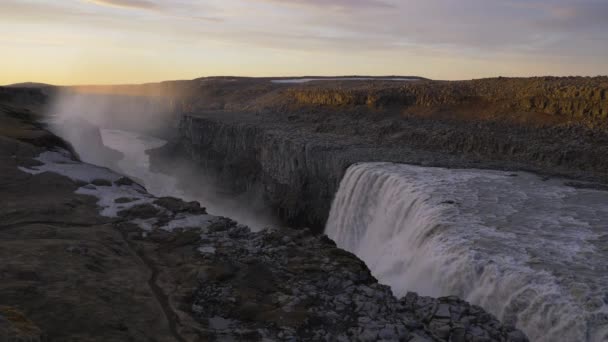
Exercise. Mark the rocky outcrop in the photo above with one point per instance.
(576, 98)
(291, 284)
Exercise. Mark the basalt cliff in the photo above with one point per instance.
(292, 142)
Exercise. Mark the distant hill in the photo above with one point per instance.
(30, 85)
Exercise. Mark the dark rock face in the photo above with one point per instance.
(101, 182)
(15, 326)
(179, 206)
(299, 177)
(296, 141)
(22, 96)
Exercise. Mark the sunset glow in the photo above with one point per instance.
(133, 41)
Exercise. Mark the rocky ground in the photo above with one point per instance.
(88, 255)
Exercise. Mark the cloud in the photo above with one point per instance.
(579, 16)
(534, 31)
(341, 4)
(138, 4)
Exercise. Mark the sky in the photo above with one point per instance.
(134, 41)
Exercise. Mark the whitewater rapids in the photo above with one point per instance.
(532, 251)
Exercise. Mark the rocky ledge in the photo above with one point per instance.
(89, 255)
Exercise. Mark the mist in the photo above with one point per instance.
(118, 131)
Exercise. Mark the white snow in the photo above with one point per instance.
(60, 162)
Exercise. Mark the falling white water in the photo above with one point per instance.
(533, 252)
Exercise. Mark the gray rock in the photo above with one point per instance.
(101, 182)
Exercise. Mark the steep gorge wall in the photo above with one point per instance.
(298, 176)
(293, 143)
(298, 170)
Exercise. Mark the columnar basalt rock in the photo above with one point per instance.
(299, 167)
(294, 141)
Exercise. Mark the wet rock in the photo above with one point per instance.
(124, 181)
(101, 182)
(179, 206)
(140, 211)
(470, 324)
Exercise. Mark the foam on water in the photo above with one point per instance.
(532, 252)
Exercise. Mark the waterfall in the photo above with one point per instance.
(532, 251)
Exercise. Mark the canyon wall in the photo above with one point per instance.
(298, 170)
(293, 142)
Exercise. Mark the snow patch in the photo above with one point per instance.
(108, 194)
(60, 162)
(207, 249)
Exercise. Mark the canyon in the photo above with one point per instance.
(378, 164)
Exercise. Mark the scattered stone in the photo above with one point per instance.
(313, 291)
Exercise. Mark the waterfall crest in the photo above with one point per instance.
(533, 252)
